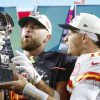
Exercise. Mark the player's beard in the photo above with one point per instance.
(30, 45)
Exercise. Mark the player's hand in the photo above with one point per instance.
(23, 63)
(17, 85)
(2, 42)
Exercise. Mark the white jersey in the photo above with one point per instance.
(87, 69)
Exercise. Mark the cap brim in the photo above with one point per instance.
(24, 20)
(67, 26)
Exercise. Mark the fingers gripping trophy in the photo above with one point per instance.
(6, 53)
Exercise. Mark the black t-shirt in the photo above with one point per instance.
(54, 66)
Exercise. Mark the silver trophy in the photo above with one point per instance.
(6, 53)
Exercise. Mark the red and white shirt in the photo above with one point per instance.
(87, 67)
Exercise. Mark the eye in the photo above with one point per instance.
(35, 27)
(25, 26)
(69, 32)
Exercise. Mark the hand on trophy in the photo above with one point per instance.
(2, 42)
(25, 64)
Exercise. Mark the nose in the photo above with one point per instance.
(28, 29)
(65, 39)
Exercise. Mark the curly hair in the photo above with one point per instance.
(6, 22)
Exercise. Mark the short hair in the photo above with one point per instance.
(97, 42)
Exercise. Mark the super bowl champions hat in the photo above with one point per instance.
(84, 21)
(39, 19)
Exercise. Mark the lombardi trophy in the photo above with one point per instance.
(6, 53)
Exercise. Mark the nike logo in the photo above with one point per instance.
(85, 25)
(95, 63)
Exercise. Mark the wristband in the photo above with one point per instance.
(32, 92)
(56, 95)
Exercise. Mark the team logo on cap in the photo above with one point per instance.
(85, 25)
(35, 15)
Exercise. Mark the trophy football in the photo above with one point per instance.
(6, 52)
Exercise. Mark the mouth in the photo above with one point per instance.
(27, 36)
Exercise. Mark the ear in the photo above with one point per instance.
(85, 38)
(48, 37)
